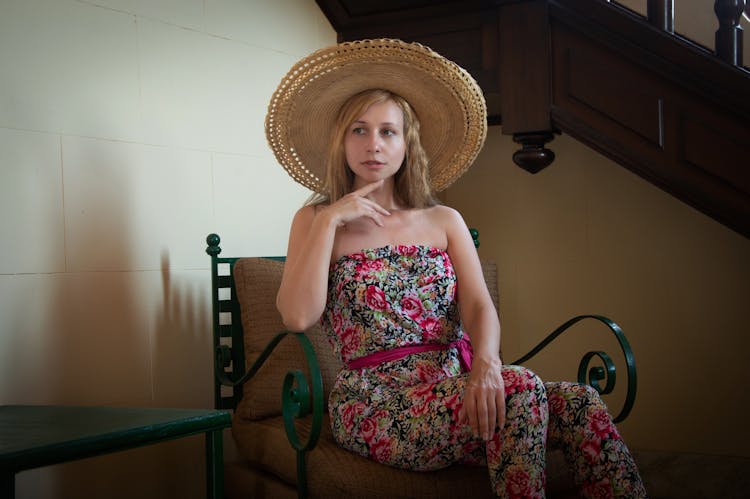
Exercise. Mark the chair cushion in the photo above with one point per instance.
(489, 270)
(333, 472)
(257, 281)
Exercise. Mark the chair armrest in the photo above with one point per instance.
(598, 373)
(299, 397)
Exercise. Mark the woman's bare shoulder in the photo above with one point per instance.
(308, 212)
(445, 216)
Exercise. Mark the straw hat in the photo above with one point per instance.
(448, 102)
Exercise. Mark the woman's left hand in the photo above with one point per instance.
(484, 398)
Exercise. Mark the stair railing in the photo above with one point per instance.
(728, 39)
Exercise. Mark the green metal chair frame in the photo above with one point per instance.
(302, 397)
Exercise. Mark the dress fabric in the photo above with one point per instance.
(404, 412)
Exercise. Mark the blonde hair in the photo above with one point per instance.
(412, 181)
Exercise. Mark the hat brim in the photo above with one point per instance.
(446, 99)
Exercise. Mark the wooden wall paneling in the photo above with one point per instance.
(607, 93)
(671, 57)
(682, 143)
(711, 161)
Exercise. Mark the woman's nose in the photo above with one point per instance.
(373, 143)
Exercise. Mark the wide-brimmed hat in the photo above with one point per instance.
(446, 99)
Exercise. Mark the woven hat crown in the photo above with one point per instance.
(446, 99)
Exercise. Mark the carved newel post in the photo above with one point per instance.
(533, 156)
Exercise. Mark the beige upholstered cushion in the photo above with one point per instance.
(257, 281)
(489, 269)
(333, 472)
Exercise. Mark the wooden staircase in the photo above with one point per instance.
(656, 103)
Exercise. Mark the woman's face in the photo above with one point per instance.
(374, 144)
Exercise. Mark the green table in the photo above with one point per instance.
(33, 436)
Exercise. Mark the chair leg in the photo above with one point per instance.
(301, 475)
(214, 465)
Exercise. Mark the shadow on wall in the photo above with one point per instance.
(96, 327)
(119, 336)
(182, 356)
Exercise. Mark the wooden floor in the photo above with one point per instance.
(694, 476)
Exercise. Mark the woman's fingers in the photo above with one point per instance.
(364, 207)
(469, 411)
(367, 189)
(479, 412)
(483, 412)
(376, 208)
(364, 191)
(483, 408)
(356, 205)
(376, 217)
(490, 420)
(500, 406)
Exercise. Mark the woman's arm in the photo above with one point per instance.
(484, 396)
(304, 285)
(302, 294)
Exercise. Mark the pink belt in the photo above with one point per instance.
(463, 346)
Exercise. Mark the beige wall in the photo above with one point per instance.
(587, 236)
(129, 130)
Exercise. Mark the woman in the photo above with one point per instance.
(395, 279)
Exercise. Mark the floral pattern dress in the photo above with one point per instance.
(404, 412)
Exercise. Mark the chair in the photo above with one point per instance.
(277, 383)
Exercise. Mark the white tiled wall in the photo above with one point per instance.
(283, 25)
(31, 227)
(242, 178)
(186, 77)
(125, 202)
(129, 130)
(186, 13)
(63, 64)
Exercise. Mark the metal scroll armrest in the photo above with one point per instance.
(299, 397)
(608, 373)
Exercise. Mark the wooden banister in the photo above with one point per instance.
(729, 35)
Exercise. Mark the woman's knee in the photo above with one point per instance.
(579, 394)
(578, 389)
(518, 379)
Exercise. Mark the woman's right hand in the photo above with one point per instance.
(304, 284)
(357, 205)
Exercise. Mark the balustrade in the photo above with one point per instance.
(729, 35)
(728, 39)
(660, 13)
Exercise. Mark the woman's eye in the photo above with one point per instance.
(358, 131)
(388, 132)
